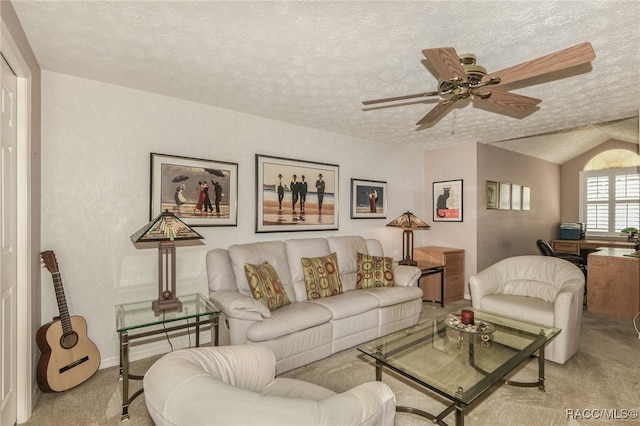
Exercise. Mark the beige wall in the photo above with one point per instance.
(504, 233)
(571, 177)
(452, 163)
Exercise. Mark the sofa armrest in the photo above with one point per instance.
(405, 275)
(372, 403)
(240, 306)
(482, 284)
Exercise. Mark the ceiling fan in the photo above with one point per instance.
(459, 78)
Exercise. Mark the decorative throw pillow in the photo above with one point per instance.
(374, 271)
(266, 286)
(321, 276)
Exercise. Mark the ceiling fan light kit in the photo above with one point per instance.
(459, 77)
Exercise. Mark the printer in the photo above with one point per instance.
(572, 231)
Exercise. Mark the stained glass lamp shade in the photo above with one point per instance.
(408, 222)
(165, 229)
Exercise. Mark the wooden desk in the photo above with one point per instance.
(588, 245)
(613, 283)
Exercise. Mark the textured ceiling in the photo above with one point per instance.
(312, 63)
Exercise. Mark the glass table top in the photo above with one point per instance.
(458, 364)
(135, 315)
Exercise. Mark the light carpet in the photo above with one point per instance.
(601, 380)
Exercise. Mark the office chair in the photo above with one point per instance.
(576, 259)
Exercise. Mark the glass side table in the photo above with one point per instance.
(138, 320)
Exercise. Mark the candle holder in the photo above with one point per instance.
(466, 317)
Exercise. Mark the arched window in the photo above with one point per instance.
(610, 193)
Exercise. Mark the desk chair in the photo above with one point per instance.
(576, 259)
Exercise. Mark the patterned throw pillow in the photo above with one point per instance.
(266, 286)
(321, 276)
(374, 271)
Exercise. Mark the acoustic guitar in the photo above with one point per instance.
(68, 357)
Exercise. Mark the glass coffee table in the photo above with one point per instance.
(460, 363)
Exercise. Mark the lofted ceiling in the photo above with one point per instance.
(311, 63)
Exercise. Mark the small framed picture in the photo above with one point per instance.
(505, 196)
(526, 198)
(516, 196)
(295, 195)
(447, 201)
(368, 199)
(200, 192)
(491, 192)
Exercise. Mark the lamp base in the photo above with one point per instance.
(166, 305)
(408, 262)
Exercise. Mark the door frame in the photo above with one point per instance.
(25, 391)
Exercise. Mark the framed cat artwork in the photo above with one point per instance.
(447, 201)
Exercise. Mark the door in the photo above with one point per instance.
(8, 249)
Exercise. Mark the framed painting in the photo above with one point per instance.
(516, 196)
(505, 196)
(447, 201)
(491, 194)
(368, 199)
(295, 195)
(200, 192)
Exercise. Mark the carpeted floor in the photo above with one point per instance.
(599, 385)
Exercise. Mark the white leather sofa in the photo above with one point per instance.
(308, 330)
(538, 289)
(236, 385)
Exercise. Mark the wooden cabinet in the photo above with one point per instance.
(453, 260)
(613, 283)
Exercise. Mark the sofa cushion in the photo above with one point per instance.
(297, 249)
(321, 276)
(530, 288)
(348, 304)
(265, 285)
(529, 309)
(289, 319)
(388, 296)
(374, 271)
(256, 254)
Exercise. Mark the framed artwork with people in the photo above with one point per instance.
(447, 201)
(368, 199)
(200, 192)
(295, 195)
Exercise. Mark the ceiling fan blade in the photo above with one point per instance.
(436, 112)
(446, 63)
(562, 59)
(509, 100)
(400, 98)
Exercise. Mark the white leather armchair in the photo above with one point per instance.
(236, 385)
(538, 289)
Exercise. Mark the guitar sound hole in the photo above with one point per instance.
(69, 340)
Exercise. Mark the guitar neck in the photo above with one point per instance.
(62, 303)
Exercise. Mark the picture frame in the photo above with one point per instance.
(491, 195)
(176, 185)
(504, 199)
(316, 203)
(526, 198)
(447, 201)
(368, 199)
(516, 196)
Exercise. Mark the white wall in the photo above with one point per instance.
(95, 189)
